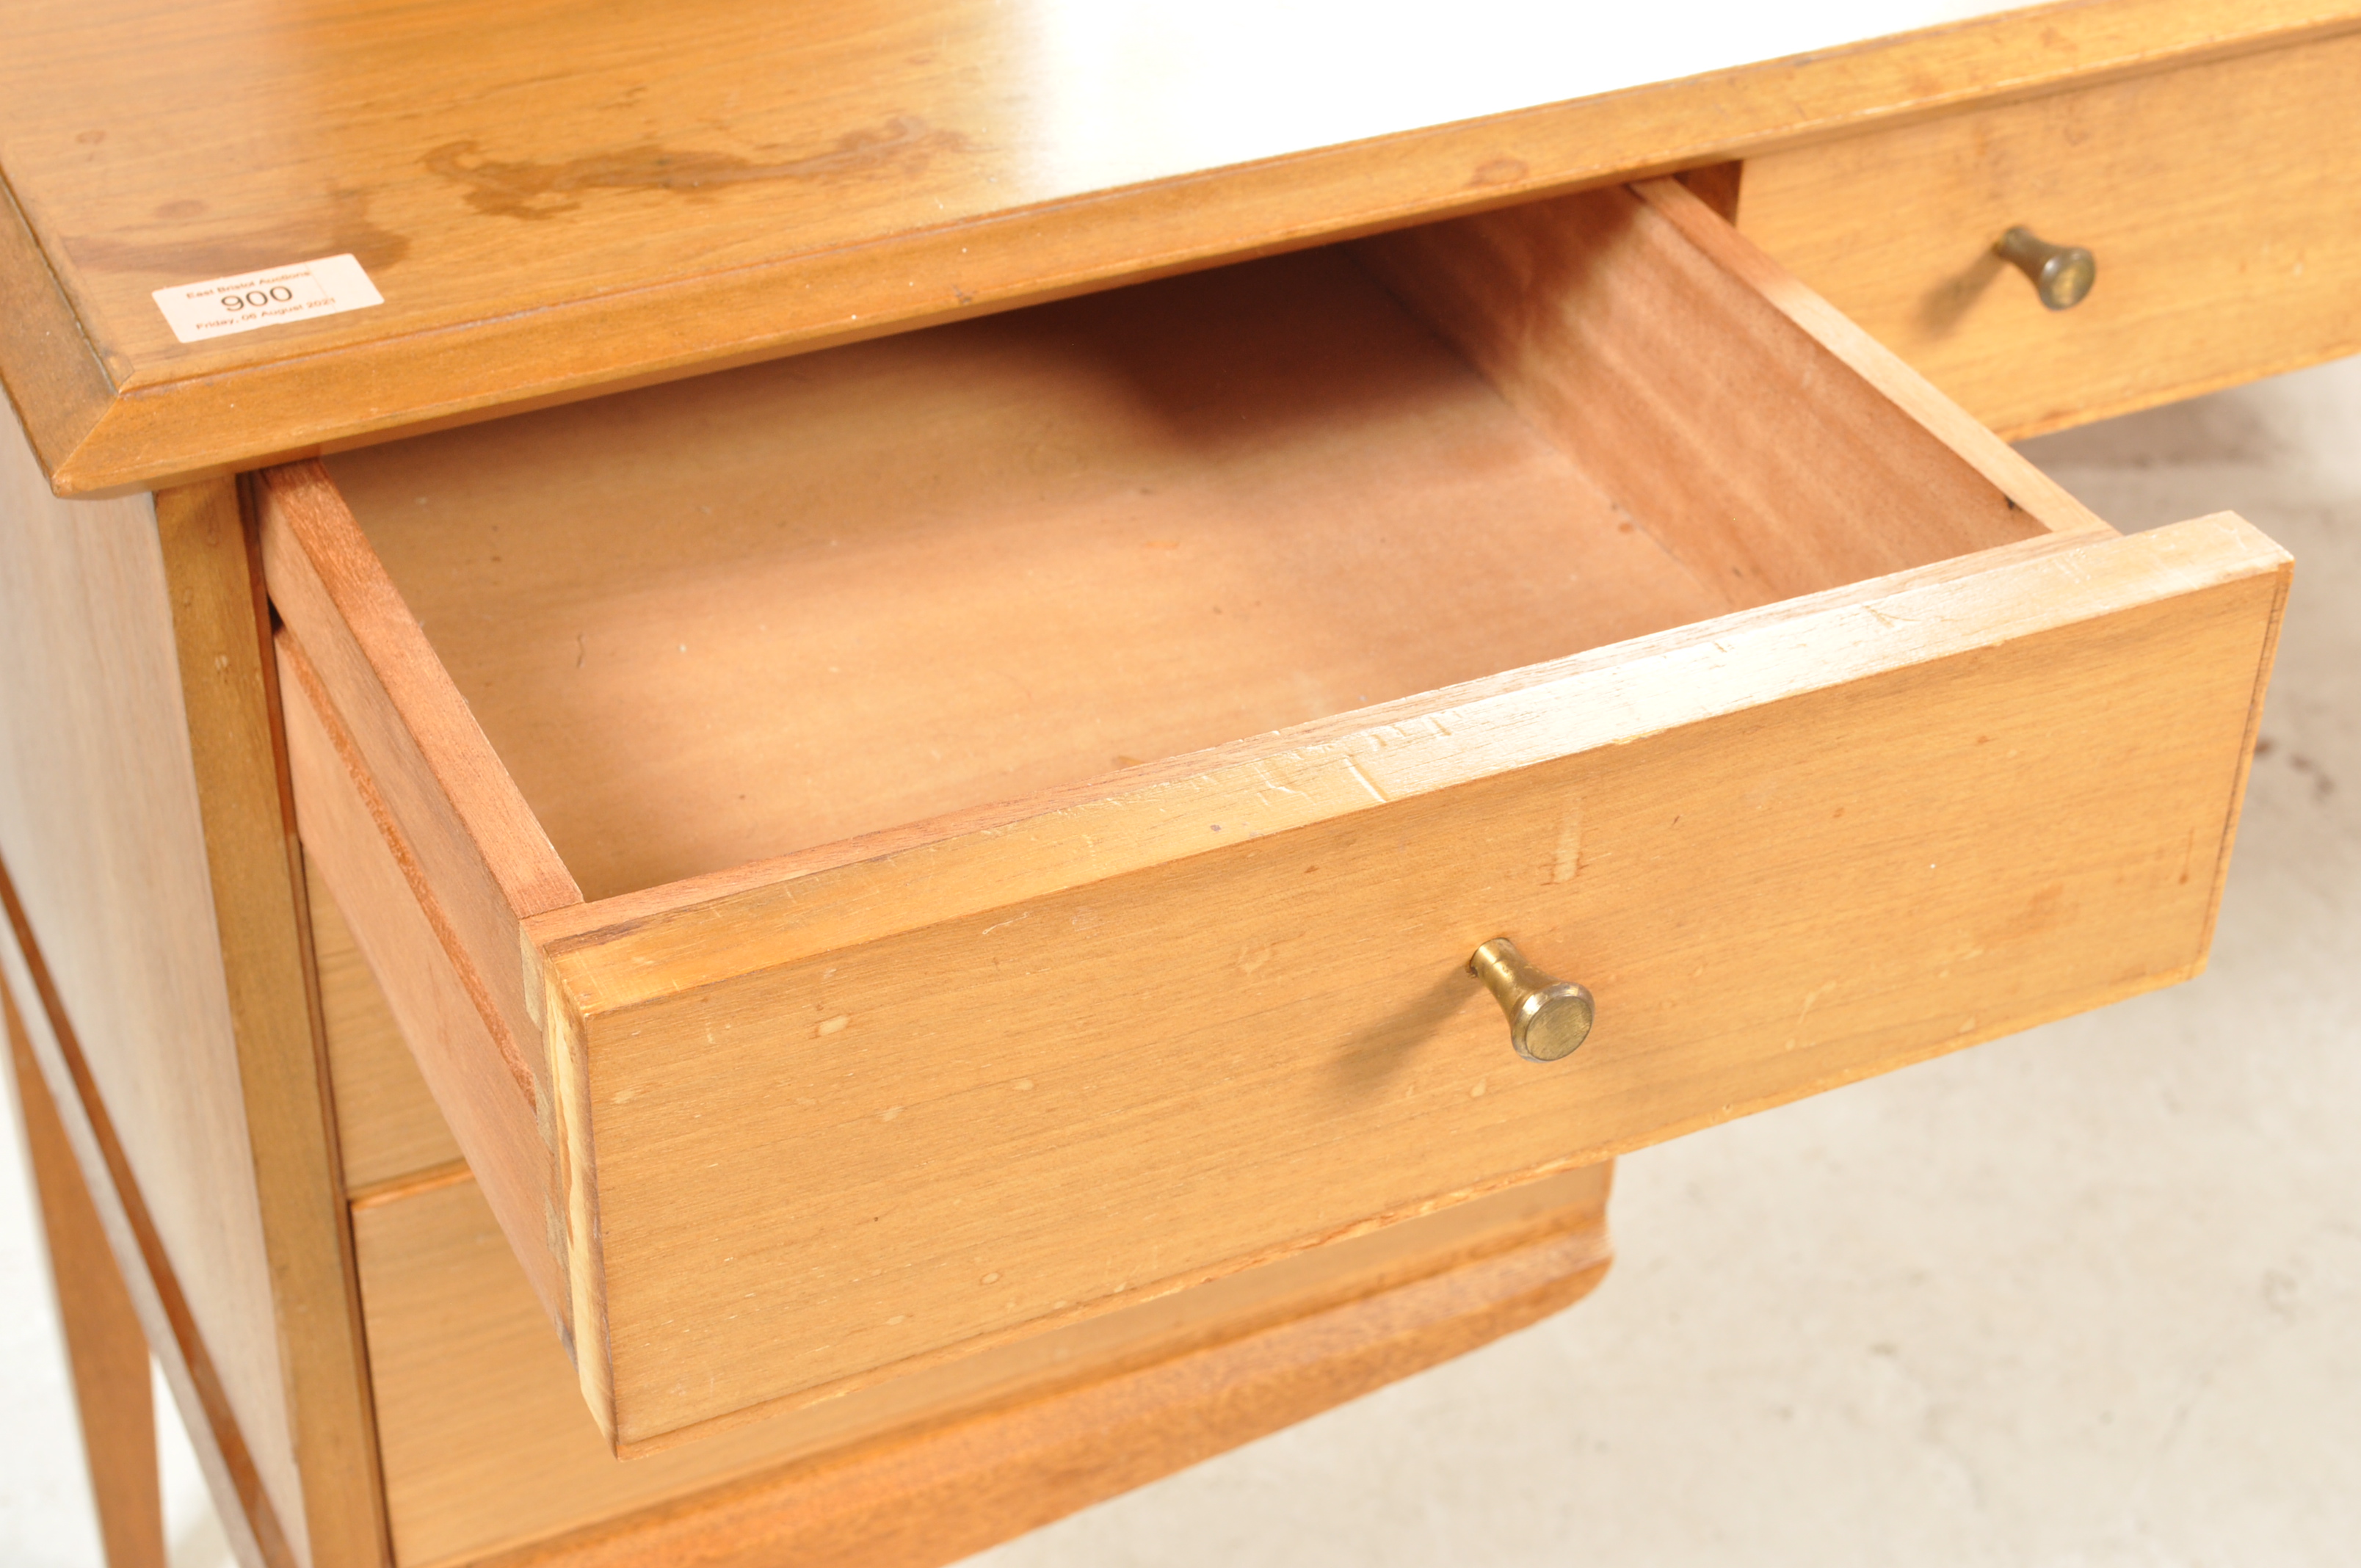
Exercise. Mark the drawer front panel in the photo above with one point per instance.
(2217, 199)
(452, 1033)
(486, 1444)
(1775, 878)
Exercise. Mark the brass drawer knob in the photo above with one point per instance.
(2061, 274)
(1547, 1018)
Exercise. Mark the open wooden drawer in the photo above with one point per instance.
(975, 828)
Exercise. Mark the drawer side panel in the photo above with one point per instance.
(449, 1025)
(462, 821)
(388, 1127)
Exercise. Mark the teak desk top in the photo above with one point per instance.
(556, 200)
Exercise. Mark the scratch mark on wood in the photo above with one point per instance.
(1568, 858)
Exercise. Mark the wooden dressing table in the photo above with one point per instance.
(812, 811)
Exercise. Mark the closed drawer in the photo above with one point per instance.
(484, 1444)
(886, 854)
(2216, 200)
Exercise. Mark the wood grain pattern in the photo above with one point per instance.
(387, 1128)
(103, 827)
(553, 209)
(106, 1350)
(2217, 199)
(488, 1447)
(454, 1044)
(1602, 319)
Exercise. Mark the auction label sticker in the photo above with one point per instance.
(220, 306)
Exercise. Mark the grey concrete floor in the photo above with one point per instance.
(2090, 1296)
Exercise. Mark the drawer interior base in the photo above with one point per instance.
(759, 612)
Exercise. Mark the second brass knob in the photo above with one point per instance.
(2061, 274)
(1548, 1017)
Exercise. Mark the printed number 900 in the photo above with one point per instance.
(256, 299)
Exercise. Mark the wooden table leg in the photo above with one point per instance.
(104, 1343)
